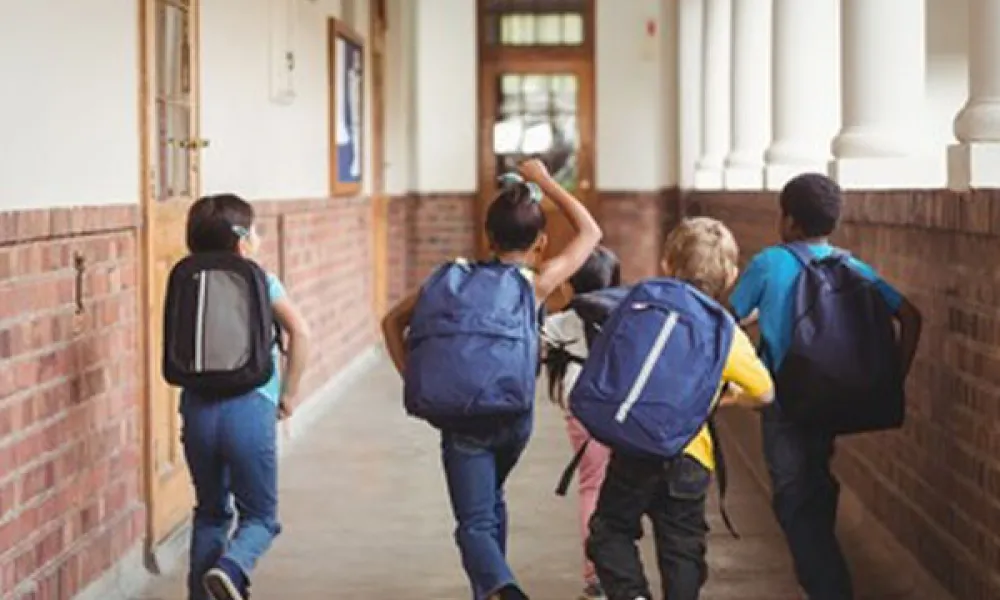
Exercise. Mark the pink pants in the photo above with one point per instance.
(591, 474)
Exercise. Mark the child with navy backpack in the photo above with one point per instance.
(223, 320)
(828, 335)
(567, 340)
(467, 346)
(667, 357)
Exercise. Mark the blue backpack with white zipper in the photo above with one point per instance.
(473, 344)
(654, 372)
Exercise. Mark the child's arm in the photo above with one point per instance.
(557, 270)
(290, 319)
(910, 327)
(752, 386)
(394, 328)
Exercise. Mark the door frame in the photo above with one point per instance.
(378, 28)
(493, 60)
(148, 140)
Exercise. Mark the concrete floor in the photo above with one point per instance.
(365, 515)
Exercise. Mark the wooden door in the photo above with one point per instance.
(171, 155)
(539, 108)
(380, 202)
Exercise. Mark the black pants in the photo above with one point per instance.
(805, 495)
(673, 496)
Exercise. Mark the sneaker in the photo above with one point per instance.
(593, 591)
(226, 581)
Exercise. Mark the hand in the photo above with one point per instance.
(534, 171)
(286, 406)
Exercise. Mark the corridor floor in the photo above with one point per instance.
(365, 515)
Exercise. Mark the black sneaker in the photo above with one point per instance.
(226, 581)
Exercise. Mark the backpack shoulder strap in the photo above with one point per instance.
(800, 251)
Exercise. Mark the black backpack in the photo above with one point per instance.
(218, 326)
(842, 373)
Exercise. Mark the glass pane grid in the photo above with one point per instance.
(546, 23)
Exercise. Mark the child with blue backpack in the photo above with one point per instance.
(222, 347)
(667, 357)
(467, 346)
(828, 336)
(567, 340)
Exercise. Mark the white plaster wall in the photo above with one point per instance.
(399, 87)
(947, 69)
(69, 106)
(630, 110)
(445, 148)
(260, 149)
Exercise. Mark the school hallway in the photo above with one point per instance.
(365, 515)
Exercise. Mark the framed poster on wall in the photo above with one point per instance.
(347, 100)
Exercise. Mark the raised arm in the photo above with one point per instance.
(394, 329)
(557, 270)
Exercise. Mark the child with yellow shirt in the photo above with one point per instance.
(703, 253)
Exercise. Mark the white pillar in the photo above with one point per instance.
(750, 95)
(716, 42)
(884, 65)
(975, 160)
(689, 74)
(805, 103)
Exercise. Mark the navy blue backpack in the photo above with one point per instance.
(473, 344)
(842, 373)
(654, 372)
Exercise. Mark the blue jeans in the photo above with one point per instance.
(231, 451)
(476, 467)
(805, 494)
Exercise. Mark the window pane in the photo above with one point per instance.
(549, 30)
(172, 52)
(572, 30)
(535, 22)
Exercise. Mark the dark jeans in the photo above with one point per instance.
(231, 451)
(476, 467)
(672, 494)
(805, 495)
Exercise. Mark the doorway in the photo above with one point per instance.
(170, 162)
(536, 98)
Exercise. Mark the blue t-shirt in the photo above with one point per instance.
(768, 285)
(272, 389)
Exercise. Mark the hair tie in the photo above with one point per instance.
(241, 231)
(534, 191)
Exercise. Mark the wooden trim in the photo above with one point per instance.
(535, 61)
(335, 28)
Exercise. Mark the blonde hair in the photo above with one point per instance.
(703, 252)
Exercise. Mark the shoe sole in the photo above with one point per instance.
(220, 587)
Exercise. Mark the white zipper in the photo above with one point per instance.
(199, 325)
(647, 366)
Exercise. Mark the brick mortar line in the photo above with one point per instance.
(7, 242)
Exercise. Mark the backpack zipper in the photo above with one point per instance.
(647, 366)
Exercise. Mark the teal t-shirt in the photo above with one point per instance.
(272, 389)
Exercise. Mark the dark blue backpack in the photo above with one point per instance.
(842, 373)
(473, 344)
(654, 372)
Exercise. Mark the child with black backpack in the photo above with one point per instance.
(828, 337)
(467, 346)
(667, 357)
(221, 346)
(566, 341)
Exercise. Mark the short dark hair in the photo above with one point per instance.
(213, 223)
(813, 201)
(514, 219)
(602, 270)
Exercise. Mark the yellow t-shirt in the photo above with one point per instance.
(745, 370)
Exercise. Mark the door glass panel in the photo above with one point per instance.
(536, 116)
(172, 161)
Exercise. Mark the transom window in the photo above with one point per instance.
(535, 23)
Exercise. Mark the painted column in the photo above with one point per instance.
(805, 105)
(716, 42)
(975, 161)
(750, 99)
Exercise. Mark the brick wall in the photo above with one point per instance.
(69, 399)
(426, 230)
(322, 251)
(936, 483)
(634, 224)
